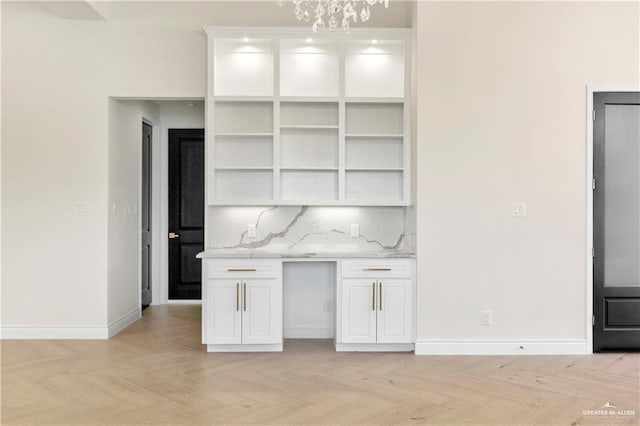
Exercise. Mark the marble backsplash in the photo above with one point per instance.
(315, 229)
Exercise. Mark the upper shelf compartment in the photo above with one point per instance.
(309, 68)
(375, 68)
(243, 67)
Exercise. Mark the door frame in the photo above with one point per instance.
(591, 90)
(154, 141)
(160, 287)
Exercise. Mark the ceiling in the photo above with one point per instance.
(212, 12)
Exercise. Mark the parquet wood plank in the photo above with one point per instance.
(156, 372)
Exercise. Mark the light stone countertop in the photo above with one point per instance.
(248, 253)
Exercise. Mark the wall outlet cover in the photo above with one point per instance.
(518, 208)
(487, 317)
(81, 208)
(251, 231)
(355, 230)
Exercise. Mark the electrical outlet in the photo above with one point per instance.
(328, 305)
(251, 231)
(518, 208)
(355, 230)
(487, 317)
(81, 208)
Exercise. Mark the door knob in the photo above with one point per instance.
(173, 235)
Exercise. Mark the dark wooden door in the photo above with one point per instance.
(616, 221)
(186, 212)
(145, 210)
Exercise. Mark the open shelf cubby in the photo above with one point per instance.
(243, 151)
(308, 148)
(374, 152)
(375, 70)
(309, 68)
(374, 185)
(244, 185)
(243, 118)
(310, 185)
(309, 114)
(243, 68)
(374, 119)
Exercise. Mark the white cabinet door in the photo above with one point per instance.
(223, 316)
(261, 312)
(358, 311)
(395, 311)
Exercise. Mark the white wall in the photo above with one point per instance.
(501, 91)
(125, 159)
(57, 77)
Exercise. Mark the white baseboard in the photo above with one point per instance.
(501, 347)
(125, 321)
(66, 332)
(39, 332)
(301, 332)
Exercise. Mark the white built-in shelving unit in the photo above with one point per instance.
(298, 118)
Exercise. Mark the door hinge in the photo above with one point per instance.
(593, 114)
(593, 183)
(593, 252)
(593, 320)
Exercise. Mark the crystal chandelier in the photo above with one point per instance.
(332, 14)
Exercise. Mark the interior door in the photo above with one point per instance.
(145, 210)
(261, 312)
(359, 310)
(616, 216)
(394, 311)
(186, 212)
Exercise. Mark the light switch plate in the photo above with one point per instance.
(518, 208)
(251, 231)
(355, 230)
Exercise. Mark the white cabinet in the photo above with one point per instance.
(242, 305)
(299, 118)
(376, 305)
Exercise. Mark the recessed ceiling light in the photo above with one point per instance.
(309, 40)
(245, 39)
(374, 41)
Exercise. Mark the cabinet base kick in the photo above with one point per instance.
(374, 347)
(245, 348)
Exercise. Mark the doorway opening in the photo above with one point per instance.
(146, 233)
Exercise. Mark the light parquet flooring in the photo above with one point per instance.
(156, 372)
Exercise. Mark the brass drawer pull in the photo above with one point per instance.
(373, 296)
(241, 270)
(376, 269)
(245, 296)
(237, 297)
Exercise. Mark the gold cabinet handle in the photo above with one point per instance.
(244, 296)
(376, 269)
(373, 296)
(173, 235)
(380, 295)
(241, 270)
(237, 297)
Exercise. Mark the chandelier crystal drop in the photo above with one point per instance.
(333, 14)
